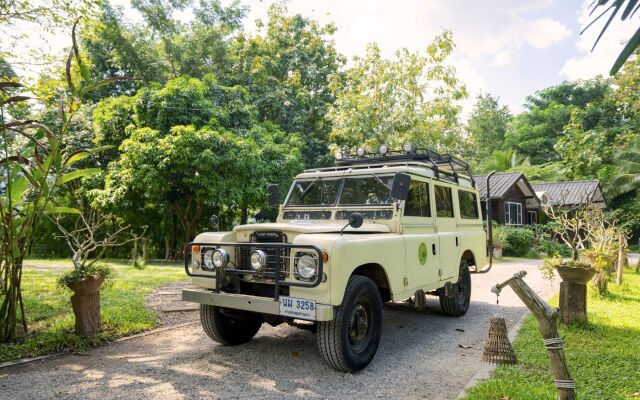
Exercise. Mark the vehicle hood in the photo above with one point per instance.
(307, 226)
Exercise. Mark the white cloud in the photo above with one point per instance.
(502, 58)
(589, 64)
(545, 32)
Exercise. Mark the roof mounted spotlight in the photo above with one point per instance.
(339, 155)
(408, 147)
(383, 149)
(361, 152)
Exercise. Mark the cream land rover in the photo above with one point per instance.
(375, 228)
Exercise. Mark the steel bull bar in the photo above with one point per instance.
(266, 305)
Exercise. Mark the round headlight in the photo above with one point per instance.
(306, 266)
(383, 149)
(207, 259)
(220, 258)
(258, 260)
(407, 147)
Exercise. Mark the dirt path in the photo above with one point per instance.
(422, 355)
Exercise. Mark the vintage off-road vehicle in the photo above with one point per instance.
(375, 228)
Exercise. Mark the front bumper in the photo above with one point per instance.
(263, 305)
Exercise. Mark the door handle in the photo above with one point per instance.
(456, 241)
(433, 249)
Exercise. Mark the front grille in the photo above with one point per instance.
(275, 257)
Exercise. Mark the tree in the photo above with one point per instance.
(411, 98)
(487, 125)
(535, 132)
(628, 161)
(286, 71)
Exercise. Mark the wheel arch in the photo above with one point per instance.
(469, 257)
(378, 275)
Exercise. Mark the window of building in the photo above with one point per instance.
(444, 203)
(512, 213)
(468, 204)
(417, 203)
(533, 217)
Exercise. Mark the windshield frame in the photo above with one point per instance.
(337, 204)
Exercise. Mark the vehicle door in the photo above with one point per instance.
(421, 241)
(447, 230)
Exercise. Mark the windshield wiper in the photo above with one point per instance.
(306, 190)
(380, 180)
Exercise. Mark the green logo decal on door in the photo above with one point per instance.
(422, 253)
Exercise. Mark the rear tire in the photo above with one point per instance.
(227, 330)
(457, 303)
(350, 341)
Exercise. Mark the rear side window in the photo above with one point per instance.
(417, 203)
(444, 203)
(468, 204)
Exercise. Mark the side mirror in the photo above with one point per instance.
(273, 196)
(400, 186)
(214, 221)
(355, 220)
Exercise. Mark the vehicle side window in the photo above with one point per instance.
(468, 204)
(444, 203)
(417, 203)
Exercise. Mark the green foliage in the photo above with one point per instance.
(75, 275)
(535, 132)
(609, 342)
(518, 241)
(499, 234)
(503, 160)
(487, 126)
(414, 97)
(552, 248)
(122, 304)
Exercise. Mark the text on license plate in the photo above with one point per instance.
(297, 308)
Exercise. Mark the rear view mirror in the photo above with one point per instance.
(400, 186)
(355, 220)
(273, 196)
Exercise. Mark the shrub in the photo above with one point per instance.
(553, 248)
(76, 275)
(518, 241)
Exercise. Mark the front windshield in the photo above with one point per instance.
(369, 191)
(316, 192)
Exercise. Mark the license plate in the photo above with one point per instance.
(297, 308)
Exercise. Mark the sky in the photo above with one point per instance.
(509, 48)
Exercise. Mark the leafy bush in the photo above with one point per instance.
(518, 242)
(499, 234)
(553, 248)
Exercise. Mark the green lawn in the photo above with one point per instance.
(50, 316)
(603, 355)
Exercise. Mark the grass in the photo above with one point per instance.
(603, 355)
(50, 316)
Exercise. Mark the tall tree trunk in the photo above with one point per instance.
(620, 260)
(244, 215)
(144, 250)
(134, 253)
(167, 248)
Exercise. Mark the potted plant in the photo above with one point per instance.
(499, 235)
(88, 239)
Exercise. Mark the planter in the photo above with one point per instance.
(497, 252)
(86, 304)
(573, 292)
(579, 275)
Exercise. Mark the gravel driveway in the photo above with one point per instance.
(422, 355)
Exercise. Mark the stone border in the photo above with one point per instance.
(135, 336)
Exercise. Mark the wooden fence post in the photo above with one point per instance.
(620, 260)
(548, 325)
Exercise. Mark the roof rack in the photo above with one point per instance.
(443, 165)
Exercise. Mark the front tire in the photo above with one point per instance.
(228, 330)
(350, 341)
(457, 303)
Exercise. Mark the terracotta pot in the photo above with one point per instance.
(578, 275)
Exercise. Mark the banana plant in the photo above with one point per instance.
(34, 168)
